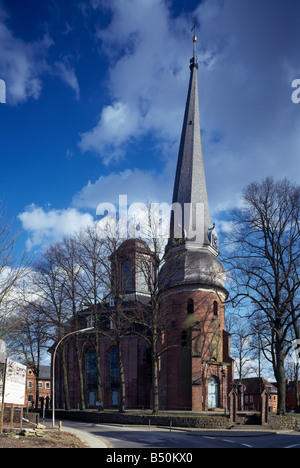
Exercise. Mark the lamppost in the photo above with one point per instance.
(84, 330)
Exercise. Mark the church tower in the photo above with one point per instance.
(197, 369)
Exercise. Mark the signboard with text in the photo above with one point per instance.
(14, 383)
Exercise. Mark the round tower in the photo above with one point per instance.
(196, 372)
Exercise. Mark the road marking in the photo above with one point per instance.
(292, 446)
(211, 438)
(248, 446)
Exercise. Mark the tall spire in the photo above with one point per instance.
(190, 184)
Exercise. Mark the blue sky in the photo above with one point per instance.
(96, 91)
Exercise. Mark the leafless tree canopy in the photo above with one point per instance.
(263, 255)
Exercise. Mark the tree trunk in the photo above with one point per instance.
(280, 378)
(65, 379)
(296, 385)
(154, 359)
(155, 384)
(81, 383)
(122, 380)
(99, 383)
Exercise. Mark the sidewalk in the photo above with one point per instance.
(91, 440)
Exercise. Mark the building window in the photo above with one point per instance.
(40, 385)
(29, 385)
(91, 369)
(47, 384)
(190, 306)
(114, 369)
(216, 308)
(127, 277)
(184, 339)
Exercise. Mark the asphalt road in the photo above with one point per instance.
(127, 437)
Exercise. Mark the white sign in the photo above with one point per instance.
(2, 369)
(15, 383)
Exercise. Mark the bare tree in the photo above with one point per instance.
(89, 255)
(263, 254)
(49, 289)
(241, 348)
(12, 268)
(29, 341)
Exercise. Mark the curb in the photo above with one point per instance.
(89, 439)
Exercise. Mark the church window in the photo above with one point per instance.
(143, 277)
(114, 369)
(184, 340)
(216, 308)
(91, 369)
(127, 277)
(190, 306)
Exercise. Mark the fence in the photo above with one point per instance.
(16, 418)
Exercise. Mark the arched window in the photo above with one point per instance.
(91, 370)
(114, 369)
(190, 306)
(216, 309)
(127, 277)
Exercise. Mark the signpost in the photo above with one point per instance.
(13, 388)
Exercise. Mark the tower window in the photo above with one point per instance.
(216, 309)
(127, 277)
(190, 306)
(184, 339)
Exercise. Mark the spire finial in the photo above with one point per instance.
(194, 60)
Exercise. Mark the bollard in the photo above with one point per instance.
(60, 426)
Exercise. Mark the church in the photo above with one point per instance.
(195, 370)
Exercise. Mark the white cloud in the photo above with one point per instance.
(67, 74)
(248, 58)
(21, 65)
(138, 185)
(147, 77)
(45, 227)
(117, 124)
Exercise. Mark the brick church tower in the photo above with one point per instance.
(196, 371)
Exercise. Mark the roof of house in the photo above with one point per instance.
(255, 385)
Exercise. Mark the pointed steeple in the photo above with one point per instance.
(192, 251)
(190, 191)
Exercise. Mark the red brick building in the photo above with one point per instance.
(252, 389)
(291, 395)
(44, 386)
(196, 371)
